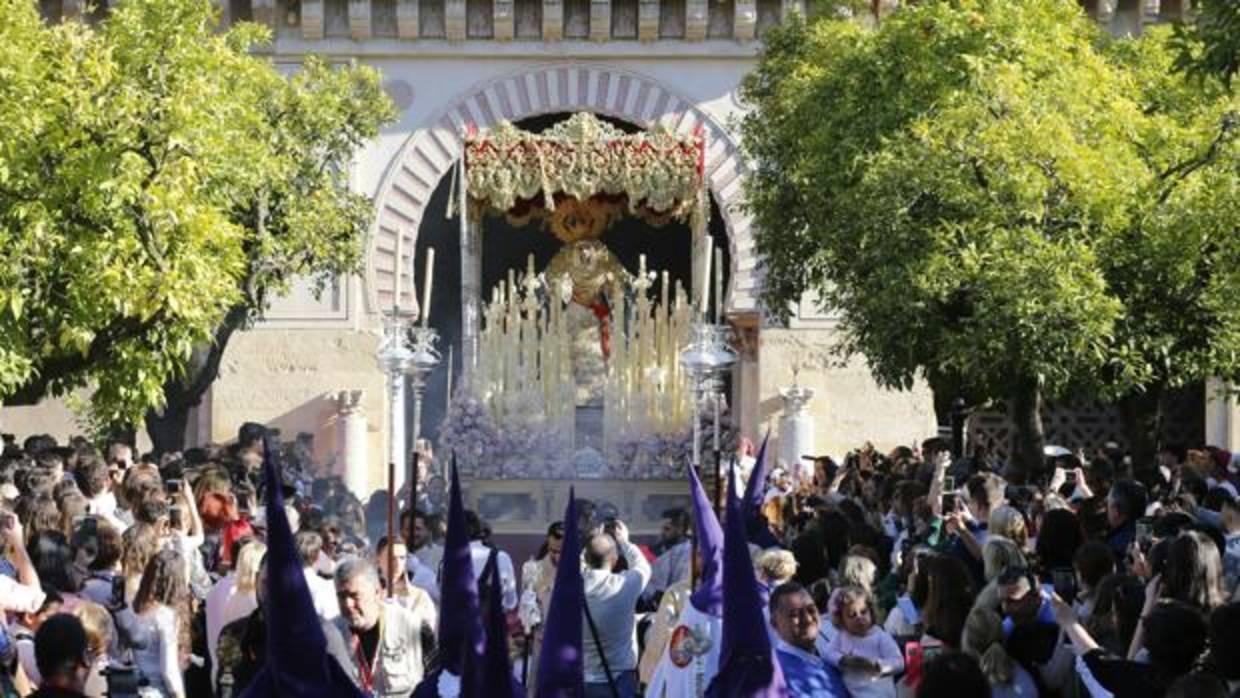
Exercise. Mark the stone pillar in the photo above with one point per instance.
(696, 15)
(796, 431)
(1222, 416)
(504, 20)
(1129, 18)
(552, 20)
(455, 20)
(747, 386)
(745, 23)
(648, 20)
(352, 454)
(407, 19)
(312, 20)
(600, 23)
(359, 20)
(265, 13)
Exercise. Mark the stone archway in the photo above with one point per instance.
(431, 151)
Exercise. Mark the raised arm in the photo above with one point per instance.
(638, 573)
(1082, 641)
(11, 533)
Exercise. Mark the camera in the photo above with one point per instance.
(122, 681)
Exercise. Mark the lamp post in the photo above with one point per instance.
(424, 357)
(704, 360)
(394, 359)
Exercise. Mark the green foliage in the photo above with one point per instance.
(990, 192)
(1210, 46)
(1175, 266)
(155, 174)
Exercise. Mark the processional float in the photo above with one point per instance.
(584, 336)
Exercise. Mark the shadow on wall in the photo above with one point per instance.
(320, 422)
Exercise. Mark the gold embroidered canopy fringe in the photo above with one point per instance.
(658, 173)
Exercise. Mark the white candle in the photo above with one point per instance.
(396, 269)
(529, 266)
(704, 306)
(426, 285)
(663, 290)
(718, 284)
(449, 400)
(641, 266)
(716, 421)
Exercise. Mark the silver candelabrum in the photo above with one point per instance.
(406, 350)
(705, 359)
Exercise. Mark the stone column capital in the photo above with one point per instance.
(796, 398)
(348, 401)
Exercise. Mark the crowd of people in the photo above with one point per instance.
(909, 573)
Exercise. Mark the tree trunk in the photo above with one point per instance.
(1028, 439)
(167, 427)
(1141, 414)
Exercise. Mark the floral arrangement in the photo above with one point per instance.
(533, 449)
(468, 433)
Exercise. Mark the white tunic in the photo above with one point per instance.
(672, 681)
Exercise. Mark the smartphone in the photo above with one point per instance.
(172, 486)
(90, 525)
(929, 651)
(174, 517)
(1064, 581)
(118, 591)
(1069, 477)
(949, 483)
(1145, 534)
(949, 503)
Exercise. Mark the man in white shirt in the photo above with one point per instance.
(416, 530)
(611, 601)
(425, 555)
(322, 591)
(479, 553)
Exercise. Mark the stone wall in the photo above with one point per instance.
(289, 378)
(848, 406)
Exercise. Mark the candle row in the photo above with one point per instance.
(526, 371)
(429, 274)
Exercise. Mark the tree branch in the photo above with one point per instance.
(1178, 173)
(102, 347)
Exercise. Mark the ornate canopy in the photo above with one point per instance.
(657, 171)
